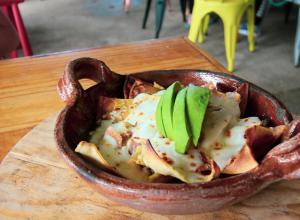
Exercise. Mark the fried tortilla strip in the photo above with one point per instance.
(243, 162)
(107, 161)
(140, 86)
(91, 152)
(259, 141)
(186, 168)
(119, 107)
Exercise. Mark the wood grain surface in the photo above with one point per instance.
(35, 183)
(28, 85)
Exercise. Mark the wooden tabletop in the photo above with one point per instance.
(28, 85)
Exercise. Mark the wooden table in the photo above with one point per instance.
(28, 85)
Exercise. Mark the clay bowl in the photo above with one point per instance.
(82, 110)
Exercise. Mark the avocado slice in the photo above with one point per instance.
(197, 100)
(158, 117)
(181, 128)
(167, 108)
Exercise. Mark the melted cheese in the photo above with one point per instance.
(231, 141)
(222, 118)
(142, 117)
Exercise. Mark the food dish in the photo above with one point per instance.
(132, 143)
(83, 110)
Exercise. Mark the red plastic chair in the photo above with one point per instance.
(11, 9)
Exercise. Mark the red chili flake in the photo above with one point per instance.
(193, 164)
(168, 160)
(217, 146)
(232, 160)
(125, 137)
(203, 169)
(228, 133)
(167, 142)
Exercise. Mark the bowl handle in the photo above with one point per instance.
(283, 161)
(69, 88)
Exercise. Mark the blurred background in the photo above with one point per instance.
(56, 25)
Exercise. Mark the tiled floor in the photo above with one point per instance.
(56, 25)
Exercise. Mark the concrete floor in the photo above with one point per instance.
(55, 25)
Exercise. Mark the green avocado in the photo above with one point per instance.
(181, 128)
(167, 108)
(158, 117)
(197, 101)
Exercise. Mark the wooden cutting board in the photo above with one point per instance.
(35, 183)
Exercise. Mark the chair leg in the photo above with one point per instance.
(148, 5)
(13, 54)
(8, 12)
(288, 7)
(250, 20)
(203, 28)
(230, 37)
(297, 42)
(183, 9)
(196, 22)
(159, 16)
(206, 23)
(169, 5)
(21, 31)
(126, 4)
(191, 5)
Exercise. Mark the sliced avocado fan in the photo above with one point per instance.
(197, 101)
(181, 128)
(180, 114)
(158, 117)
(167, 108)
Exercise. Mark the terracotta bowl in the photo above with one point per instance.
(82, 110)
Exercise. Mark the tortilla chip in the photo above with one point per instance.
(124, 168)
(259, 141)
(140, 86)
(243, 162)
(109, 105)
(146, 155)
